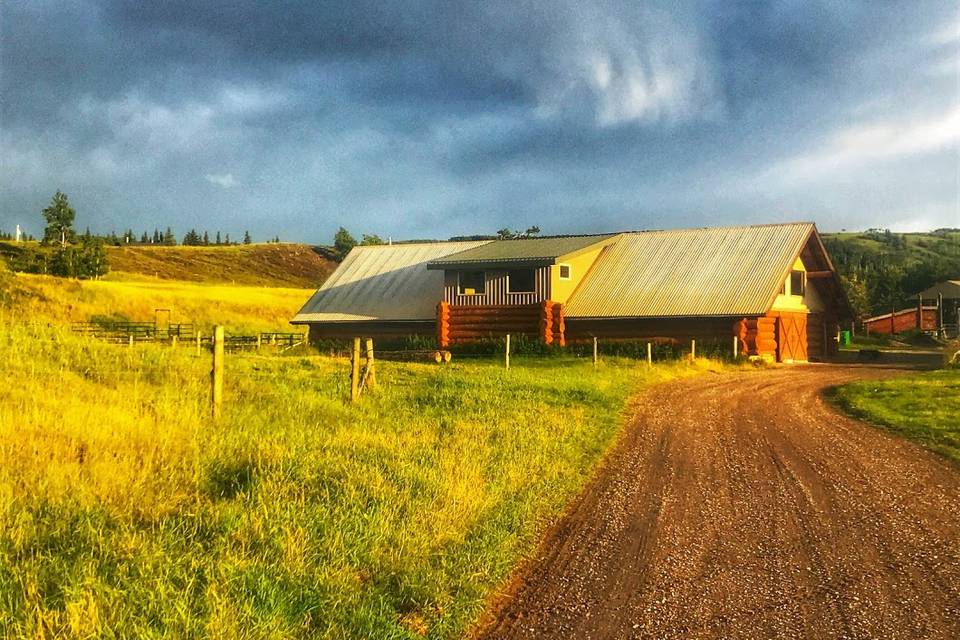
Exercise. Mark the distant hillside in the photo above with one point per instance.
(888, 269)
(268, 265)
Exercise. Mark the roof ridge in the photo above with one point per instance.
(795, 223)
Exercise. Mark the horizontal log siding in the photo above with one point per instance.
(469, 324)
(496, 290)
(681, 329)
(371, 329)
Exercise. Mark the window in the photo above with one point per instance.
(521, 281)
(797, 283)
(471, 283)
(564, 272)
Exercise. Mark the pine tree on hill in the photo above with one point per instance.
(59, 216)
(218, 241)
(168, 238)
(246, 238)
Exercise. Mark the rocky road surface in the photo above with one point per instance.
(744, 506)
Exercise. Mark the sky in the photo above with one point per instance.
(416, 119)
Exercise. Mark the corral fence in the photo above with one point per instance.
(122, 332)
(254, 342)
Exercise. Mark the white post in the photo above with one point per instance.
(736, 343)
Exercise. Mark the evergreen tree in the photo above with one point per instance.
(206, 239)
(227, 241)
(218, 241)
(59, 216)
(246, 238)
(343, 242)
(143, 238)
(168, 238)
(93, 260)
(64, 262)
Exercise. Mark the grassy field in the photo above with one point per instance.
(239, 309)
(126, 512)
(924, 407)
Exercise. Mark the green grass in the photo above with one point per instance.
(126, 512)
(924, 407)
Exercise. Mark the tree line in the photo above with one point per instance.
(882, 270)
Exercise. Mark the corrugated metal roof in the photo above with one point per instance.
(387, 282)
(690, 272)
(949, 288)
(528, 251)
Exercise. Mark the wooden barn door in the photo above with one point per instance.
(792, 337)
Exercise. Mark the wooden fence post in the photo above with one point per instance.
(371, 376)
(507, 352)
(173, 341)
(216, 374)
(649, 355)
(693, 350)
(736, 344)
(130, 340)
(355, 371)
(198, 344)
(594, 351)
(259, 341)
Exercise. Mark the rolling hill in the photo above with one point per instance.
(883, 269)
(265, 265)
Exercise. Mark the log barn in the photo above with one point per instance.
(773, 286)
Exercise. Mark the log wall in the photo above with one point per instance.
(462, 324)
(681, 329)
(370, 329)
(757, 336)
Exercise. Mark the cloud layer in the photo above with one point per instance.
(429, 119)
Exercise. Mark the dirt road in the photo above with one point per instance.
(744, 506)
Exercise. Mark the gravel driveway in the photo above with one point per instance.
(744, 506)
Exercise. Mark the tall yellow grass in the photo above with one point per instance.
(126, 512)
(238, 308)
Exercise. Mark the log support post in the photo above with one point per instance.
(216, 374)
(355, 371)
(370, 377)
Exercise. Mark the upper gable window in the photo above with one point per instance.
(565, 272)
(471, 283)
(798, 283)
(521, 281)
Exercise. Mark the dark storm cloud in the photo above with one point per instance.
(434, 118)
